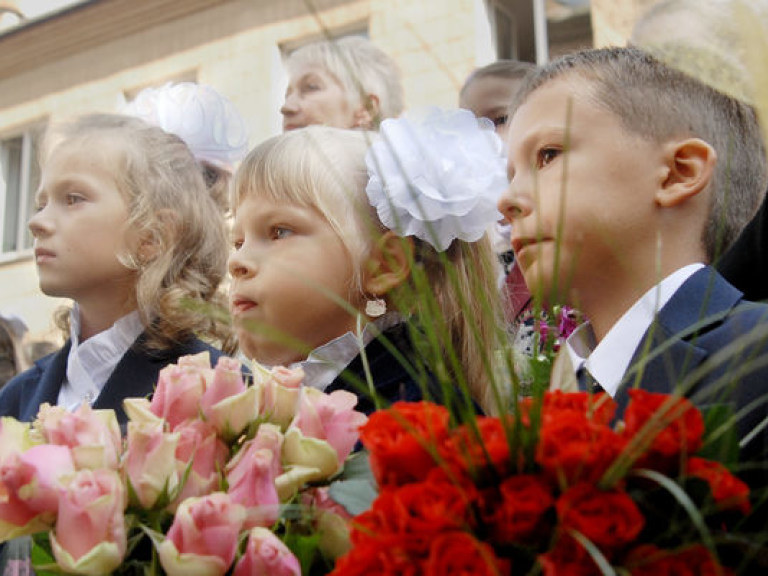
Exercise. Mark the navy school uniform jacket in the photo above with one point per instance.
(134, 376)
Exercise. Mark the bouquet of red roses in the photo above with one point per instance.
(214, 476)
(553, 489)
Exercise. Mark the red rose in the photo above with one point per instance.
(398, 440)
(600, 408)
(677, 427)
(610, 519)
(575, 448)
(377, 559)
(457, 553)
(424, 508)
(694, 560)
(729, 492)
(516, 512)
(471, 452)
(568, 558)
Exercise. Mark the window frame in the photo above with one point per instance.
(30, 135)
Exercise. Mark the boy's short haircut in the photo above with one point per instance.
(507, 69)
(658, 102)
(362, 68)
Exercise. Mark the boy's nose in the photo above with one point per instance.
(514, 205)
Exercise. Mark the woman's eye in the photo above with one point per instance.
(280, 232)
(545, 156)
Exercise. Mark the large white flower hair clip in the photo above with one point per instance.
(437, 174)
(208, 122)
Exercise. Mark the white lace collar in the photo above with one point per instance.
(91, 363)
(326, 362)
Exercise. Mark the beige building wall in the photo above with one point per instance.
(234, 45)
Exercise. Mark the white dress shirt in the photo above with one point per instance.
(326, 362)
(608, 360)
(91, 363)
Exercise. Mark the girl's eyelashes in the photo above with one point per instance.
(545, 155)
(279, 232)
(72, 199)
(500, 120)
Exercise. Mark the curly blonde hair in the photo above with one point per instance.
(171, 209)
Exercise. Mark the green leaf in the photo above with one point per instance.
(356, 496)
(304, 547)
(722, 441)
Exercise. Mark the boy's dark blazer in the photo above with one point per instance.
(134, 376)
(709, 335)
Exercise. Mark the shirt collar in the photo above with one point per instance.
(91, 363)
(608, 360)
(325, 363)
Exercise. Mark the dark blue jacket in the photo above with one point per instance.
(713, 344)
(134, 376)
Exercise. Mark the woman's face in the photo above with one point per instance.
(314, 96)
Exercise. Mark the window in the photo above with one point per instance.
(19, 179)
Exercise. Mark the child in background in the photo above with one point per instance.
(346, 83)
(13, 357)
(317, 276)
(126, 228)
(488, 91)
(623, 173)
(209, 124)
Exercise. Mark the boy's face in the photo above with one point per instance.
(580, 196)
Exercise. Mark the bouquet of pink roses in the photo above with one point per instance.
(214, 476)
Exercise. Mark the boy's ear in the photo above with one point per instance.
(388, 265)
(690, 168)
(368, 112)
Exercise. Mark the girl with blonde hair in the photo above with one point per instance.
(125, 228)
(366, 264)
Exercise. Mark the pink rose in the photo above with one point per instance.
(92, 435)
(29, 484)
(281, 393)
(330, 417)
(227, 403)
(203, 537)
(203, 452)
(251, 479)
(332, 522)
(179, 391)
(150, 463)
(266, 554)
(90, 533)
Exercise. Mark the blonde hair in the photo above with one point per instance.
(170, 209)
(362, 69)
(324, 168)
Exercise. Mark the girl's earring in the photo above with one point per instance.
(375, 308)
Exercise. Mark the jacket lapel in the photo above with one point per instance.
(668, 350)
(53, 371)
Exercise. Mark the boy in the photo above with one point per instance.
(625, 175)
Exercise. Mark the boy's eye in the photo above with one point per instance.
(280, 232)
(545, 156)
